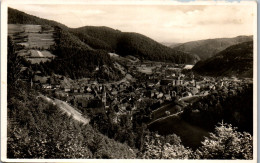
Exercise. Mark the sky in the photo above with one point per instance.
(163, 23)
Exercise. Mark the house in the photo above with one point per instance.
(211, 86)
(149, 84)
(185, 94)
(41, 79)
(88, 96)
(114, 93)
(173, 93)
(198, 86)
(67, 89)
(160, 95)
(89, 89)
(167, 97)
(178, 82)
(46, 86)
(204, 93)
(57, 86)
(194, 90)
(82, 90)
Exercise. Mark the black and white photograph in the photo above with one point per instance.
(135, 81)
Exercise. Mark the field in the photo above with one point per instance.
(38, 54)
(40, 40)
(33, 37)
(146, 70)
(15, 28)
(38, 60)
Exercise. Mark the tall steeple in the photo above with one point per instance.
(104, 98)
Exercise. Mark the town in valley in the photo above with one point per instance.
(103, 93)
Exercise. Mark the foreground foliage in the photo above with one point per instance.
(165, 147)
(37, 129)
(226, 143)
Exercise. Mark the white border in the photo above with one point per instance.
(4, 5)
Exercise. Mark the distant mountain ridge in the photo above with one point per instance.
(236, 60)
(208, 48)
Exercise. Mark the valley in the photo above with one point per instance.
(97, 92)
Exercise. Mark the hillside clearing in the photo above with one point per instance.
(66, 108)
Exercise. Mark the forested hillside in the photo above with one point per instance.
(98, 37)
(236, 60)
(134, 44)
(232, 105)
(19, 17)
(208, 48)
(146, 48)
(76, 59)
(37, 129)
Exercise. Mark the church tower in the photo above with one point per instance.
(104, 96)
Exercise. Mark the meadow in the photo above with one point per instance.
(35, 39)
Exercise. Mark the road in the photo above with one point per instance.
(163, 118)
(66, 108)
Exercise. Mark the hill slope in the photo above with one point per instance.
(135, 44)
(38, 129)
(208, 48)
(75, 58)
(19, 17)
(85, 48)
(236, 60)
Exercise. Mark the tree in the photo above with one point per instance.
(14, 65)
(165, 147)
(226, 143)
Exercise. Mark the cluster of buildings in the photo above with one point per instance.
(124, 97)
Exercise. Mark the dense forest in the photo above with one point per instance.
(135, 44)
(234, 106)
(77, 60)
(98, 37)
(236, 60)
(19, 17)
